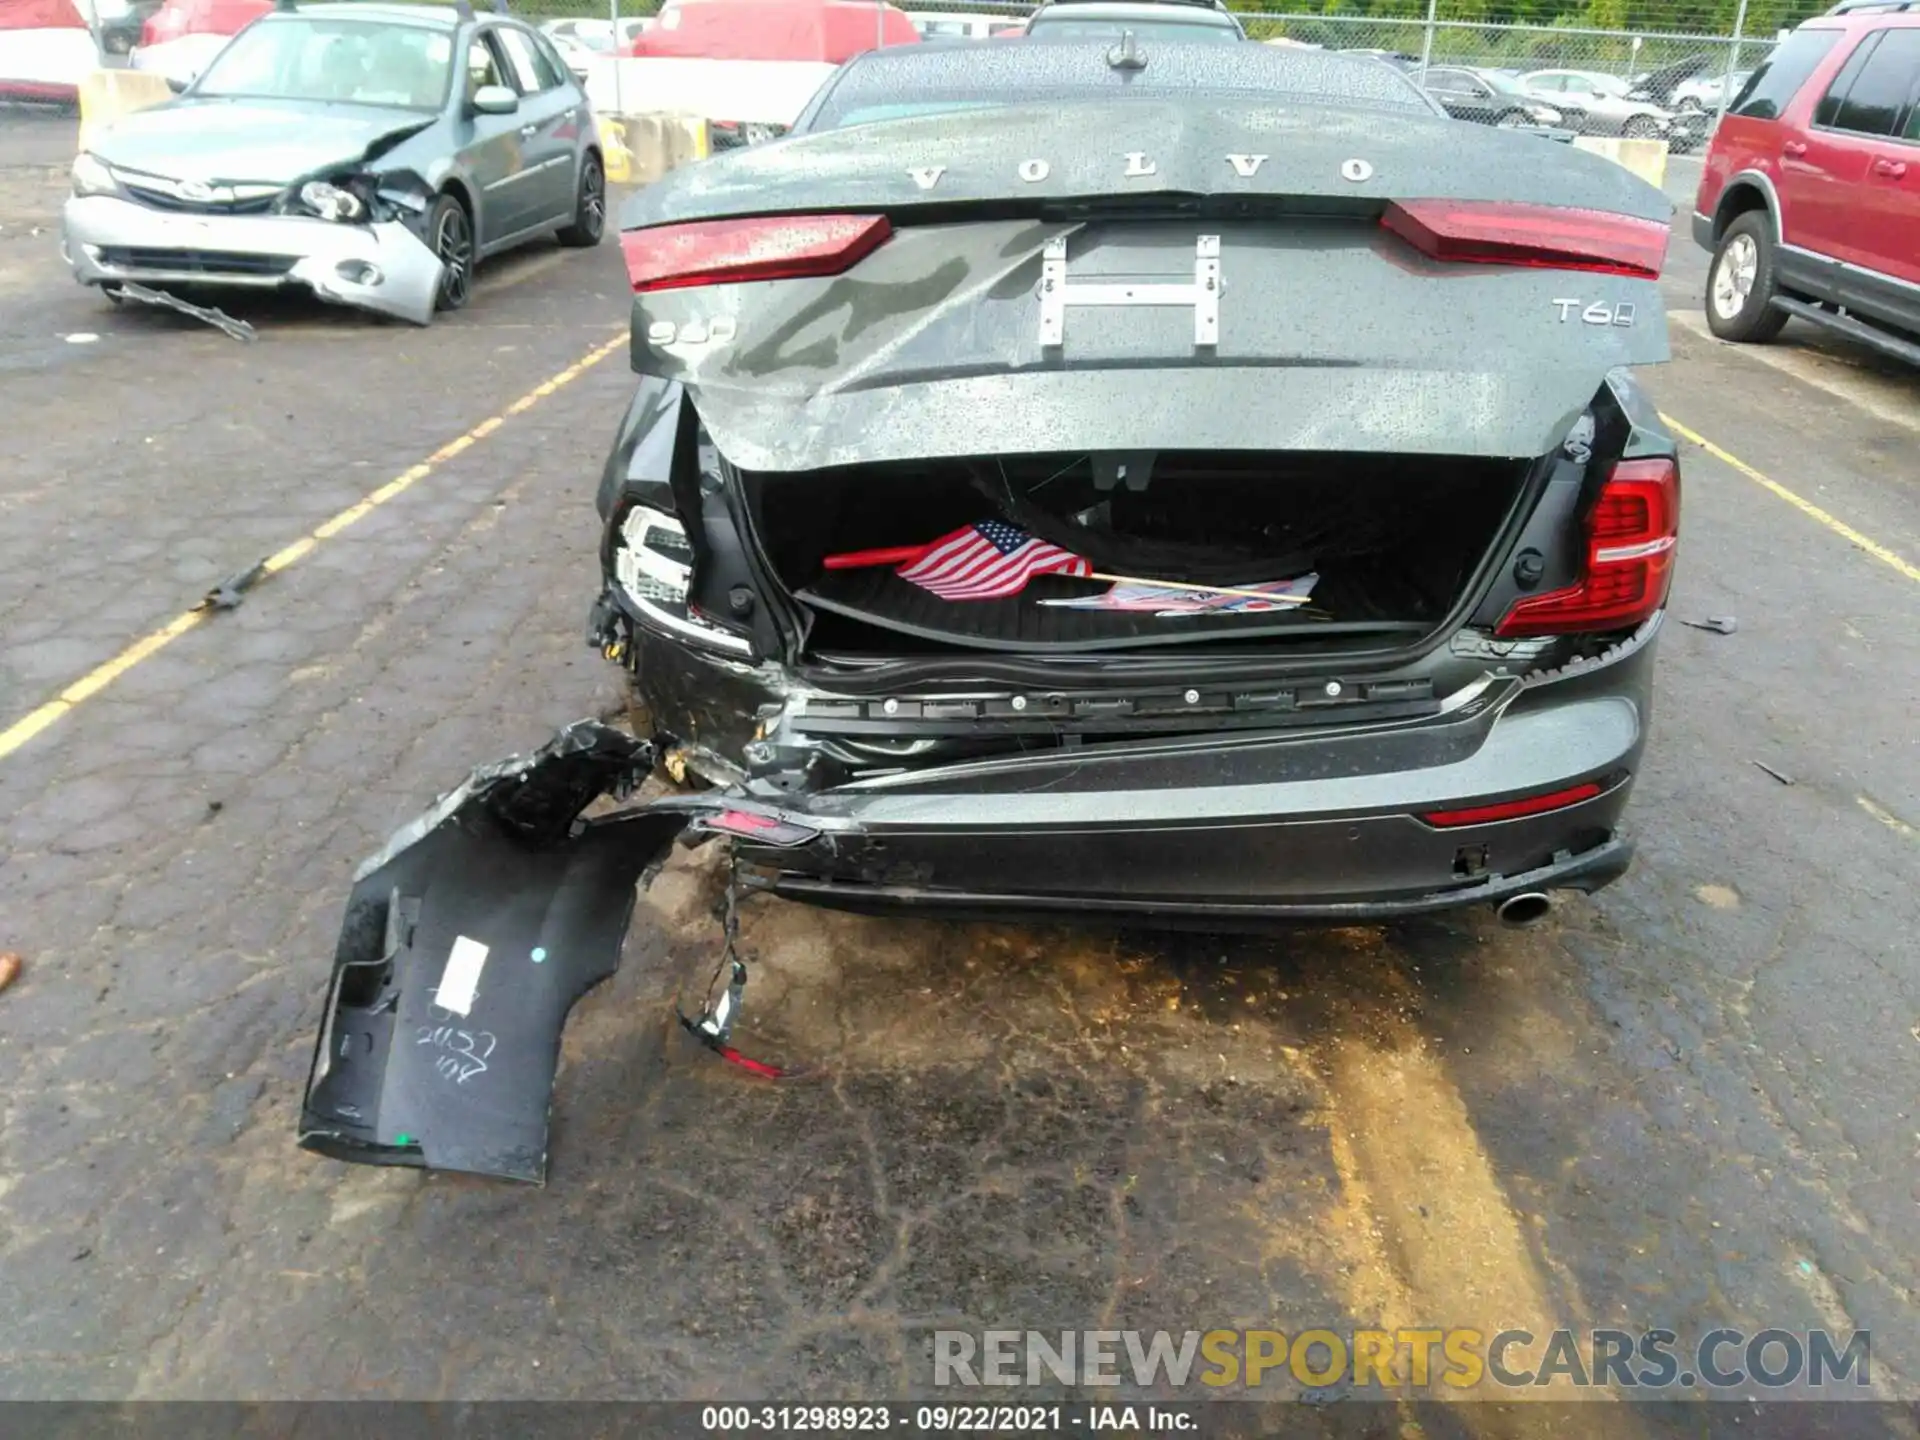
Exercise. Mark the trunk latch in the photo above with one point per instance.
(1203, 295)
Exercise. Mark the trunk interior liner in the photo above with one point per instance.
(1393, 539)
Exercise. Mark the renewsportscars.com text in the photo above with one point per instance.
(1390, 1359)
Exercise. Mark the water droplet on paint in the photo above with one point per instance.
(539, 954)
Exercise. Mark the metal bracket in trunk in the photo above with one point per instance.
(1203, 295)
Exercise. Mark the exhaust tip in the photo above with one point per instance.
(1520, 911)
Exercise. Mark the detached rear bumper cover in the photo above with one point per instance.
(109, 240)
(468, 939)
(466, 942)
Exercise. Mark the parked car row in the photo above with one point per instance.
(1586, 102)
(1488, 97)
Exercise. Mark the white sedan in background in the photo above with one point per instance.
(1595, 103)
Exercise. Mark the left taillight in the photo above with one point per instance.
(653, 563)
(1631, 534)
(1551, 237)
(768, 247)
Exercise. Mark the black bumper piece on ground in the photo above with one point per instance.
(466, 942)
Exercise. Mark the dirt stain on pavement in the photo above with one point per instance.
(1156, 1130)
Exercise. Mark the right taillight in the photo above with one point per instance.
(765, 247)
(1631, 533)
(1550, 237)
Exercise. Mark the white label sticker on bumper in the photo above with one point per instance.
(460, 981)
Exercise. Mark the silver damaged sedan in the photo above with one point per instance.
(373, 154)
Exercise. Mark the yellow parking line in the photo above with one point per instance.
(97, 679)
(1800, 503)
(1886, 817)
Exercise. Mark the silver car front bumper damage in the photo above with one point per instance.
(383, 267)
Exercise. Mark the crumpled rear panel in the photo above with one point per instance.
(1333, 335)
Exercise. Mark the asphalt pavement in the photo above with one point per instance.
(1687, 1102)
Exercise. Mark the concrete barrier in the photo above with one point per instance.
(106, 95)
(655, 111)
(641, 148)
(1645, 158)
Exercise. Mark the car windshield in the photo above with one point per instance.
(1145, 29)
(357, 62)
(1504, 84)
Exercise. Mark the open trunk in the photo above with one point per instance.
(1392, 542)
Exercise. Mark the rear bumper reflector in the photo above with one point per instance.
(1513, 809)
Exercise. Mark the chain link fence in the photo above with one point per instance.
(1564, 64)
(1649, 68)
(1681, 52)
(1604, 36)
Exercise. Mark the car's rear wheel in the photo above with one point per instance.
(1740, 286)
(1641, 127)
(450, 230)
(590, 206)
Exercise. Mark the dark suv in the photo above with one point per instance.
(1200, 20)
(1810, 199)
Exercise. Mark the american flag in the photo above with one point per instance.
(989, 559)
(1166, 601)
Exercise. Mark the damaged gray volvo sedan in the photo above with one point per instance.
(1202, 488)
(373, 154)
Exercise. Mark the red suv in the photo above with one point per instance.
(1810, 200)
